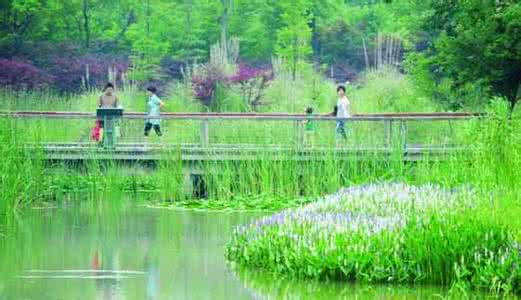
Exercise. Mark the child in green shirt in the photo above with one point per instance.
(310, 126)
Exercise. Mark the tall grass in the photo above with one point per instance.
(385, 90)
(22, 172)
(388, 90)
(493, 140)
(381, 91)
(494, 160)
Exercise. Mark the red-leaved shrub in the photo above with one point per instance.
(20, 75)
(252, 82)
(74, 73)
(205, 82)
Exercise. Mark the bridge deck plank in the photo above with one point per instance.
(187, 152)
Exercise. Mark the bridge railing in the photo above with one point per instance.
(243, 129)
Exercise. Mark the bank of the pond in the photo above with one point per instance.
(386, 233)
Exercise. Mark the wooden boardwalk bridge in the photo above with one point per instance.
(391, 132)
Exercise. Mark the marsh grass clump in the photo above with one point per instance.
(385, 233)
(22, 173)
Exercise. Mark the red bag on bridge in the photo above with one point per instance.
(95, 134)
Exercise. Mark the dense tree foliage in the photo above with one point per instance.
(475, 45)
(457, 51)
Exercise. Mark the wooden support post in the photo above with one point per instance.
(451, 134)
(205, 136)
(403, 134)
(299, 138)
(388, 133)
(108, 132)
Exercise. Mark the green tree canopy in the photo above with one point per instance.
(477, 42)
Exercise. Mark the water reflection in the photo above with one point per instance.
(151, 266)
(129, 254)
(107, 288)
(265, 286)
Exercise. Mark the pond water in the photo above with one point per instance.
(144, 253)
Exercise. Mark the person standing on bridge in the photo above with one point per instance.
(154, 105)
(342, 110)
(107, 100)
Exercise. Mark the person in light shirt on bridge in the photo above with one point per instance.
(342, 110)
(154, 105)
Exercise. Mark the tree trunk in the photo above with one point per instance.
(376, 52)
(19, 33)
(86, 25)
(515, 98)
(295, 59)
(131, 19)
(189, 41)
(224, 28)
(145, 53)
(366, 57)
(315, 42)
(147, 13)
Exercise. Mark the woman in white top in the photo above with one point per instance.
(342, 111)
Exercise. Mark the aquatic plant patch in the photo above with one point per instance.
(267, 203)
(385, 233)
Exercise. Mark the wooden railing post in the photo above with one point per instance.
(299, 126)
(388, 133)
(205, 133)
(403, 134)
(451, 134)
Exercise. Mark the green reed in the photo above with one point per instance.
(22, 170)
(491, 160)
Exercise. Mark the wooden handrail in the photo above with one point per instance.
(391, 137)
(249, 116)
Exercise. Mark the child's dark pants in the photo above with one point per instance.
(149, 126)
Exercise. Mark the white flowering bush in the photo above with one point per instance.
(384, 232)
